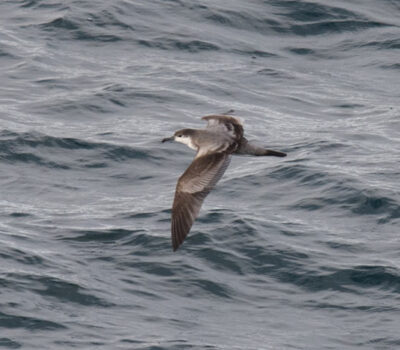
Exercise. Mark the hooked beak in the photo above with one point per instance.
(168, 139)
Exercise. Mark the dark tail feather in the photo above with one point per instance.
(248, 148)
(270, 152)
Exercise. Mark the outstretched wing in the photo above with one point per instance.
(225, 123)
(192, 187)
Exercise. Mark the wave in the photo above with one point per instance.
(54, 287)
(40, 149)
(351, 280)
(168, 43)
(12, 321)
(330, 191)
(305, 19)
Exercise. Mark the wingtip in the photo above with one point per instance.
(175, 243)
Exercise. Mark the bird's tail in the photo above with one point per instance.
(247, 148)
(270, 152)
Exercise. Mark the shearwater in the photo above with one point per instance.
(222, 137)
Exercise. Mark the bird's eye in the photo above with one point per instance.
(179, 135)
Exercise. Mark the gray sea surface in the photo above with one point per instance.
(301, 252)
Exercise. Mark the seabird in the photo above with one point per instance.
(222, 137)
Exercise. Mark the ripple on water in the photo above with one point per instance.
(9, 344)
(192, 46)
(327, 191)
(350, 280)
(12, 321)
(76, 29)
(116, 236)
(49, 152)
(57, 288)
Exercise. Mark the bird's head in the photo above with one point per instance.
(183, 136)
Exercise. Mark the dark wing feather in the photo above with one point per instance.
(227, 122)
(192, 187)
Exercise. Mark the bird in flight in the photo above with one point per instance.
(222, 137)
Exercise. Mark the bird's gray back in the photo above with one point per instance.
(212, 141)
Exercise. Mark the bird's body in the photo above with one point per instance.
(215, 144)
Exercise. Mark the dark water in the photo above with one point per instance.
(294, 253)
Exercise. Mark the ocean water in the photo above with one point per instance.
(301, 252)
